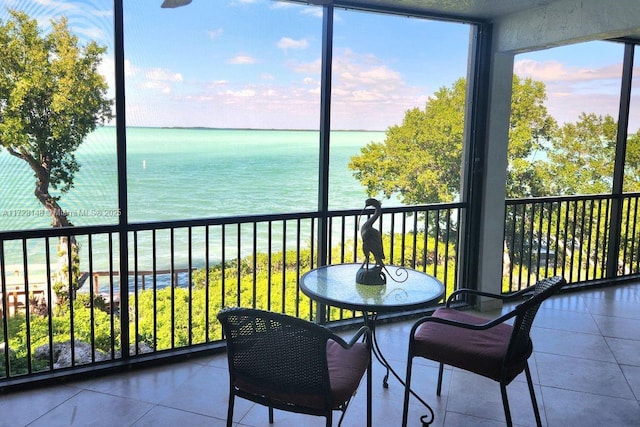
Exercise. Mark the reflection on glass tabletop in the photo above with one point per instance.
(405, 288)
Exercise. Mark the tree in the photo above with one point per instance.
(530, 127)
(421, 159)
(51, 98)
(632, 163)
(581, 160)
(581, 156)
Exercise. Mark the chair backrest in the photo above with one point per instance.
(520, 343)
(276, 352)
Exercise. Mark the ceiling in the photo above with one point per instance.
(473, 10)
(484, 10)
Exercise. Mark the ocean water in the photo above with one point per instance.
(184, 174)
(191, 173)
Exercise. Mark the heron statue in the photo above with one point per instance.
(369, 274)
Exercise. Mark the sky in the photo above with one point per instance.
(256, 64)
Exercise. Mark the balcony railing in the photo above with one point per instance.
(180, 274)
(572, 236)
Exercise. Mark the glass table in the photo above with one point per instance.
(405, 289)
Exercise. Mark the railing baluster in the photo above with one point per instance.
(111, 298)
(172, 269)
(634, 254)
(207, 284)
(47, 258)
(189, 285)
(135, 291)
(254, 297)
(92, 297)
(154, 286)
(589, 240)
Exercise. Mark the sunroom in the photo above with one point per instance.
(236, 142)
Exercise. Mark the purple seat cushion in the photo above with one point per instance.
(346, 368)
(479, 351)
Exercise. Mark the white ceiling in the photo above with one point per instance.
(485, 10)
(615, 19)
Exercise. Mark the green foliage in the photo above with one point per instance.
(61, 277)
(51, 96)
(178, 317)
(530, 126)
(421, 162)
(170, 309)
(632, 164)
(581, 156)
(421, 159)
(89, 325)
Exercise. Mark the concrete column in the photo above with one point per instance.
(495, 175)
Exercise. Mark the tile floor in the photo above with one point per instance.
(586, 370)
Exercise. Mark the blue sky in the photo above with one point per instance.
(256, 64)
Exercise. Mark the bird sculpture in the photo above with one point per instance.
(372, 238)
(372, 246)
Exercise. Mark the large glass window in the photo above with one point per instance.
(222, 112)
(397, 112)
(564, 120)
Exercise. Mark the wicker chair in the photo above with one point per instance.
(491, 348)
(294, 365)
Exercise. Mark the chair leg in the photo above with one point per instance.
(505, 404)
(230, 410)
(369, 393)
(440, 371)
(270, 415)
(407, 389)
(532, 392)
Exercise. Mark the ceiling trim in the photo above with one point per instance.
(400, 11)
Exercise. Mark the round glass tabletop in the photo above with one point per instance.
(336, 285)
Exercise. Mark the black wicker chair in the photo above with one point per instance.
(294, 365)
(491, 348)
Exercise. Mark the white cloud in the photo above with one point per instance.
(161, 79)
(163, 75)
(242, 60)
(367, 93)
(286, 43)
(553, 71)
(573, 90)
(244, 93)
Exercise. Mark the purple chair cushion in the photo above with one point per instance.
(346, 368)
(480, 351)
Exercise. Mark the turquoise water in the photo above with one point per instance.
(191, 173)
(184, 174)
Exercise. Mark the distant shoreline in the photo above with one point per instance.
(242, 129)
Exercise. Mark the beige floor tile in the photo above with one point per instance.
(585, 368)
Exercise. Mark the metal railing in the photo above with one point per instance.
(570, 236)
(181, 273)
(66, 308)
